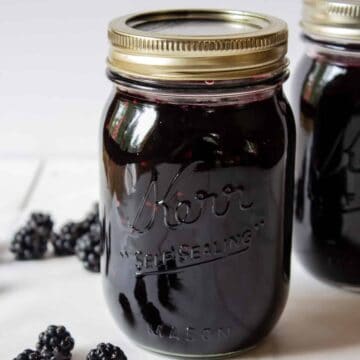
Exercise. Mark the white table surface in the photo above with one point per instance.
(319, 322)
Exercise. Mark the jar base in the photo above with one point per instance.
(197, 356)
(340, 285)
(348, 288)
(326, 279)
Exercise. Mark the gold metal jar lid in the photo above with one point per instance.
(332, 20)
(197, 45)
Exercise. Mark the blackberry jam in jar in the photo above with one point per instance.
(328, 187)
(197, 161)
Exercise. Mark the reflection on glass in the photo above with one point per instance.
(127, 130)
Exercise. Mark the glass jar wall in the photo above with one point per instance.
(196, 203)
(327, 202)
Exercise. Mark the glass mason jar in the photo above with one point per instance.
(197, 161)
(328, 186)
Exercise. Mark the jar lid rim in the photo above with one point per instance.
(148, 45)
(336, 21)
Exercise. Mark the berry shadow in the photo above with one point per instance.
(79, 353)
(5, 255)
(3, 247)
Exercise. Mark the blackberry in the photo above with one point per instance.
(48, 355)
(29, 355)
(92, 218)
(55, 343)
(88, 249)
(42, 222)
(106, 352)
(64, 242)
(28, 244)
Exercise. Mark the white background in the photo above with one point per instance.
(52, 67)
(52, 91)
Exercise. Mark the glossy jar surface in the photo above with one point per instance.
(196, 202)
(328, 186)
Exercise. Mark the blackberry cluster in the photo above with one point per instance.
(106, 352)
(42, 222)
(29, 355)
(56, 343)
(64, 242)
(29, 243)
(92, 218)
(88, 249)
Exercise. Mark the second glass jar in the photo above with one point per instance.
(328, 187)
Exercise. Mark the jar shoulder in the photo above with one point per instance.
(329, 114)
(318, 79)
(141, 129)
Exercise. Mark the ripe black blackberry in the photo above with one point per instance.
(29, 355)
(88, 249)
(92, 218)
(48, 355)
(106, 352)
(64, 242)
(55, 343)
(28, 243)
(42, 222)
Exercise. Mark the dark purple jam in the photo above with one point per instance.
(197, 220)
(328, 188)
